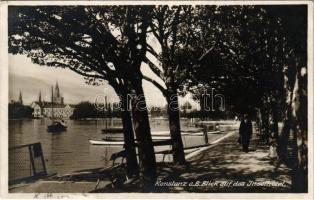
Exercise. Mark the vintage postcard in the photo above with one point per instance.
(157, 99)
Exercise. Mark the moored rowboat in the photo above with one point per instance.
(119, 141)
(56, 126)
(105, 142)
(161, 137)
(166, 133)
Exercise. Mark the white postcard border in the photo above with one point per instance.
(4, 109)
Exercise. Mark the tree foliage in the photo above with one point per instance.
(98, 42)
(19, 111)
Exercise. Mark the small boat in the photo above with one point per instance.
(159, 118)
(202, 133)
(113, 138)
(118, 141)
(161, 137)
(120, 138)
(166, 133)
(105, 142)
(56, 126)
(161, 133)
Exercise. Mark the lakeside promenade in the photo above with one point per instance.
(225, 168)
(221, 167)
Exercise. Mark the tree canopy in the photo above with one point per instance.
(98, 42)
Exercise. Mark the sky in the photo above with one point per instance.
(31, 78)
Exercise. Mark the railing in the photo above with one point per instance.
(26, 163)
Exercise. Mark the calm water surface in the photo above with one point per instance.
(70, 150)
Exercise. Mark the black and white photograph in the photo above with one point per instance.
(157, 98)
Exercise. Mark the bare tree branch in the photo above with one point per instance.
(154, 68)
(151, 50)
(155, 83)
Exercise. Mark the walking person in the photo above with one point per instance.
(245, 132)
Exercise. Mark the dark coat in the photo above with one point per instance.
(245, 131)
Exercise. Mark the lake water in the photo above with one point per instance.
(70, 151)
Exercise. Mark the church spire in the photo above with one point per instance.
(57, 90)
(20, 98)
(39, 97)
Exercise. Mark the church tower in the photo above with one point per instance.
(39, 98)
(57, 90)
(57, 99)
(20, 98)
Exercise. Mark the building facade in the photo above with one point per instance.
(54, 109)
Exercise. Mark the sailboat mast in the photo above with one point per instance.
(106, 112)
(52, 102)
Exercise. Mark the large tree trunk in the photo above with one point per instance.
(147, 160)
(274, 122)
(295, 121)
(273, 129)
(175, 128)
(284, 139)
(129, 144)
(285, 132)
(300, 148)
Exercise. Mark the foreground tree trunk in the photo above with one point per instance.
(132, 167)
(147, 160)
(285, 133)
(300, 147)
(273, 129)
(274, 122)
(174, 121)
(295, 121)
(175, 128)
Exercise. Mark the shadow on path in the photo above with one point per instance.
(225, 168)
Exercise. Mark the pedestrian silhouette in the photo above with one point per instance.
(245, 132)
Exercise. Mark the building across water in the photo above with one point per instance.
(56, 108)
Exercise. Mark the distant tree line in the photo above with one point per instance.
(19, 111)
(189, 112)
(89, 110)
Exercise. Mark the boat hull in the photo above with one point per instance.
(53, 128)
(164, 133)
(105, 142)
